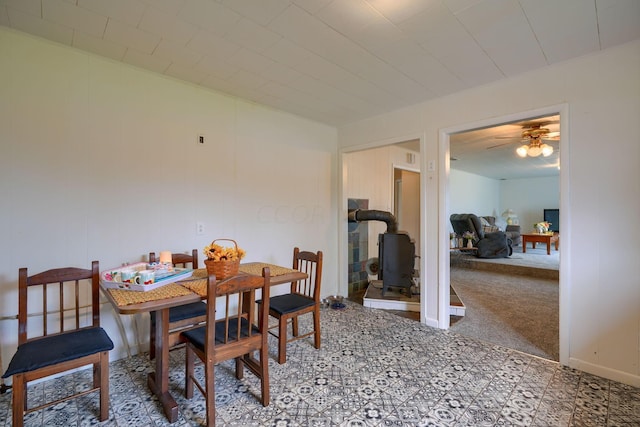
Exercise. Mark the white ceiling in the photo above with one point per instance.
(491, 152)
(333, 61)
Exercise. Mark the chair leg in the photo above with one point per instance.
(316, 327)
(239, 368)
(264, 375)
(103, 379)
(19, 398)
(294, 326)
(282, 341)
(210, 388)
(188, 374)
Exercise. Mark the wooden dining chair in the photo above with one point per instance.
(237, 334)
(62, 336)
(303, 298)
(181, 317)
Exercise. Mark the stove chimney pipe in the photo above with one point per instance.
(358, 215)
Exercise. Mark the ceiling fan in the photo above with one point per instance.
(533, 135)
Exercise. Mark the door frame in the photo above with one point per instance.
(443, 194)
(343, 244)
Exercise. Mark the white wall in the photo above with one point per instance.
(529, 197)
(471, 193)
(600, 290)
(368, 174)
(99, 161)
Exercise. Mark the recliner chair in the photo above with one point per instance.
(490, 245)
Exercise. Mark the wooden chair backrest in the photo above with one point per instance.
(238, 296)
(61, 291)
(180, 260)
(310, 263)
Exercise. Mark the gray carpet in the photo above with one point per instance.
(514, 311)
(532, 258)
(535, 262)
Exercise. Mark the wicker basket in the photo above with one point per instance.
(223, 269)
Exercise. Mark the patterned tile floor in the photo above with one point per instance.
(374, 369)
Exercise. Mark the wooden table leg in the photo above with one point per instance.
(539, 239)
(158, 381)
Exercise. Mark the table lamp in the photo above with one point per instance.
(510, 217)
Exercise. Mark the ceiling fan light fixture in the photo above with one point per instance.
(533, 139)
(522, 150)
(534, 151)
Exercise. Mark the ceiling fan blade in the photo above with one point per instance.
(534, 124)
(551, 136)
(498, 145)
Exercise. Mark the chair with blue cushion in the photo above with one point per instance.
(66, 317)
(237, 333)
(182, 317)
(303, 298)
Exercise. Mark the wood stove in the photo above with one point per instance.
(396, 251)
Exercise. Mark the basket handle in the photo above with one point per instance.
(229, 240)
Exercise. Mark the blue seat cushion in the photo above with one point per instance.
(288, 303)
(55, 349)
(182, 312)
(198, 336)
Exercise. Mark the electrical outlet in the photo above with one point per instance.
(199, 228)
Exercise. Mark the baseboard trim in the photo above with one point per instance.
(429, 321)
(603, 371)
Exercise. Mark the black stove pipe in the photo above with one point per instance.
(357, 215)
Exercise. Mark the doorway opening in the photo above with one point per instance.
(385, 178)
(506, 189)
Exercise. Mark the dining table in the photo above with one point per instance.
(160, 300)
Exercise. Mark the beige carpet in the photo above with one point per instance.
(514, 311)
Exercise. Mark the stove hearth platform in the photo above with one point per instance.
(397, 299)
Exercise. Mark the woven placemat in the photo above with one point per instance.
(256, 269)
(125, 297)
(198, 280)
(199, 273)
(198, 285)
